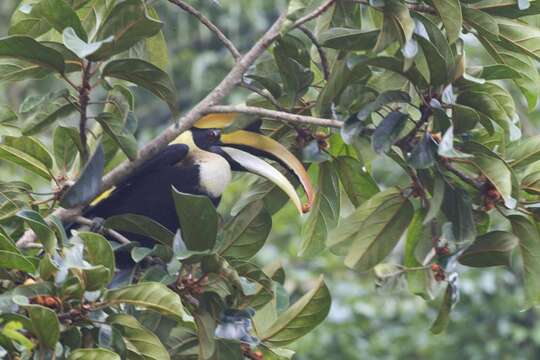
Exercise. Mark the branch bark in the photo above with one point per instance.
(275, 115)
(210, 25)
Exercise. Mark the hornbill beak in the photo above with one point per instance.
(241, 146)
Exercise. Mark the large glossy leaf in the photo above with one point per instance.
(457, 206)
(150, 295)
(65, 139)
(140, 342)
(13, 260)
(59, 15)
(93, 354)
(31, 147)
(509, 8)
(44, 234)
(416, 280)
(520, 37)
(88, 185)
(397, 25)
(46, 117)
(443, 317)
(198, 220)
(245, 234)
(387, 132)
(450, 13)
(16, 70)
(127, 23)
(115, 128)
(324, 213)
(349, 39)
(24, 160)
(27, 49)
(145, 75)
(529, 246)
(357, 183)
(495, 169)
(296, 76)
(142, 225)
(98, 251)
(378, 233)
(45, 325)
(79, 46)
(524, 152)
(302, 317)
(491, 249)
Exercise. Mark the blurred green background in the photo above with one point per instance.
(366, 321)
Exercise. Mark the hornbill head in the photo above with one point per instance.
(242, 149)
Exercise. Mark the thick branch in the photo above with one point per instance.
(210, 25)
(275, 115)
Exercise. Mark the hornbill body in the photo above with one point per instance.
(199, 161)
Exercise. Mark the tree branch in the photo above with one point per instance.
(320, 50)
(274, 115)
(113, 233)
(318, 11)
(261, 93)
(210, 25)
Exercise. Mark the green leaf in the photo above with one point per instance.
(302, 317)
(15, 70)
(450, 13)
(13, 260)
(59, 15)
(482, 22)
(324, 213)
(494, 168)
(26, 161)
(457, 207)
(127, 23)
(64, 141)
(397, 66)
(416, 280)
(464, 118)
(142, 225)
(156, 51)
(42, 120)
(93, 354)
(524, 152)
(114, 127)
(439, 69)
(387, 132)
(491, 249)
(529, 248)
(31, 147)
(245, 234)
(509, 8)
(145, 75)
(45, 325)
(206, 326)
(443, 318)
(446, 146)
(296, 77)
(140, 342)
(436, 200)
(385, 98)
(27, 49)
(7, 244)
(520, 37)
(423, 154)
(88, 186)
(374, 229)
(44, 234)
(150, 295)
(397, 25)
(358, 184)
(198, 220)
(79, 46)
(98, 251)
(348, 39)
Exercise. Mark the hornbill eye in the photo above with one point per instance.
(213, 136)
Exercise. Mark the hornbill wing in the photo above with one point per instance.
(168, 157)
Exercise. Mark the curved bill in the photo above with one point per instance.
(260, 167)
(271, 147)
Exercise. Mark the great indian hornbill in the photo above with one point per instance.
(199, 161)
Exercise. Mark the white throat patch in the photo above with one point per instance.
(215, 173)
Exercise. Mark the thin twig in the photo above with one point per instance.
(263, 94)
(320, 50)
(274, 115)
(206, 22)
(465, 178)
(317, 12)
(113, 233)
